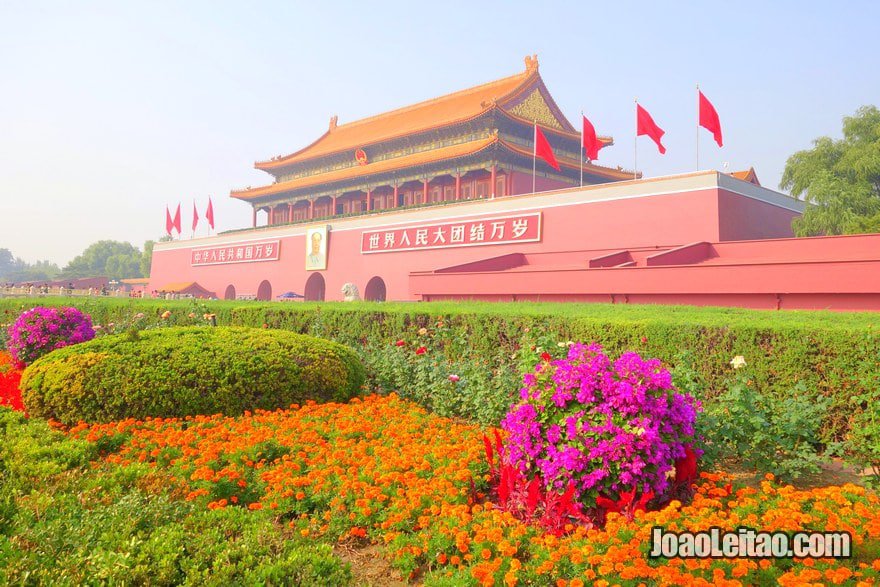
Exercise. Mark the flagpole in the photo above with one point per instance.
(636, 144)
(698, 127)
(582, 148)
(534, 154)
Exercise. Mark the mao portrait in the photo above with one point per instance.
(316, 249)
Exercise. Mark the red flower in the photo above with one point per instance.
(627, 502)
(10, 394)
(421, 350)
(400, 342)
(546, 357)
(686, 467)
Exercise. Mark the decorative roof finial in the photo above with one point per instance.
(532, 63)
(333, 120)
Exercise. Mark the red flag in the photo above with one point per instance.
(195, 216)
(177, 220)
(709, 118)
(591, 144)
(543, 149)
(169, 225)
(209, 213)
(646, 126)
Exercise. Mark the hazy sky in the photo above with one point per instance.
(111, 110)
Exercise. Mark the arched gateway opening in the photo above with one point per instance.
(375, 291)
(315, 288)
(230, 293)
(264, 292)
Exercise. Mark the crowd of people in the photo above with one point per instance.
(10, 289)
(43, 289)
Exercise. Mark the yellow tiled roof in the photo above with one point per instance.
(455, 107)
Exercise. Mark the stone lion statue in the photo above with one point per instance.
(350, 293)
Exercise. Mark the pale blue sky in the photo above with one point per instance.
(110, 110)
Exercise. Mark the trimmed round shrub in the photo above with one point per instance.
(604, 428)
(176, 372)
(41, 330)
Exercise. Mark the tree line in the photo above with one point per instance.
(105, 258)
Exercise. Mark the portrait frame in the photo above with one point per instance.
(316, 248)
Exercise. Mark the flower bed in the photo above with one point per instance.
(383, 470)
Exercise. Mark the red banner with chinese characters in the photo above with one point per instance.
(236, 253)
(524, 228)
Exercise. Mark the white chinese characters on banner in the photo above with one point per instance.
(484, 231)
(236, 253)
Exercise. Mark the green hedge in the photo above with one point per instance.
(835, 355)
(177, 371)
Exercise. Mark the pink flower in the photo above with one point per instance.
(454, 377)
(400, 343)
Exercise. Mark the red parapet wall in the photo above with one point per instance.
(838, 273)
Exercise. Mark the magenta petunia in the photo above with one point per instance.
(606, 427)
(41, 330)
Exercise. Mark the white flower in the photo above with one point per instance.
(738, 362)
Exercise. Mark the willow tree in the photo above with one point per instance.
(841, 178)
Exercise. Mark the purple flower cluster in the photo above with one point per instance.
(605, 427)
(41, 330)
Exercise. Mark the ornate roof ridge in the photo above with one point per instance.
(472, 90)
(522, 79)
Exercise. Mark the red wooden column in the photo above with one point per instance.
(271, 215)
(425, 191)
(457, 186)
(394, 204)
(311, 209)
(369, 200)
(290, 212)
(333, 211)
(492, 177)
(255, 217)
